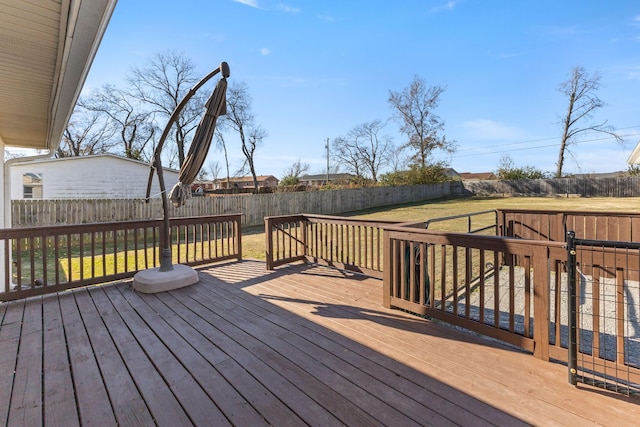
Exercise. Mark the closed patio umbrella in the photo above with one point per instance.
(216, 106)
(149, 280)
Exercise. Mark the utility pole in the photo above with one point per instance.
(327, 147)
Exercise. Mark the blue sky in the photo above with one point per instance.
(316, 69)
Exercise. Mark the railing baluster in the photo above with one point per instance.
(32, 263)
(41, 250)
(7, 266)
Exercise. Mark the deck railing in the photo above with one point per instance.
(553, 225)
(342, 242)
(40, 260)
(472, 281)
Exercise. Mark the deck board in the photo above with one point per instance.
(125, 330)
(360, 387)
(273, 344)
(126, 401)
(92, 398)
(26, 399)
(60, 402)
(302, 345)
(9, 345)
(242, 348)
(402, 379)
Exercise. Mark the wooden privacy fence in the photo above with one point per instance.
(254, 207)
(41, 260)
(628, 186)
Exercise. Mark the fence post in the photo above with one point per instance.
(571, 276)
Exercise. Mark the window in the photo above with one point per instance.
(27, 192)
(32, 185)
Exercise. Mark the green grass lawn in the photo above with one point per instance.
(253, 239)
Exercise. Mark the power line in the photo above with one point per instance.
(548, 139)
(556, 144)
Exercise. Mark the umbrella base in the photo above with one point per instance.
(153, 280)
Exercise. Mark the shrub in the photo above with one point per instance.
(416, 175)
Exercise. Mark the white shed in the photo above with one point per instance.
(102, 176)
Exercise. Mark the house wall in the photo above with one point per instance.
(99, 177)
(3, 255)
(270, 182)
(2, 204)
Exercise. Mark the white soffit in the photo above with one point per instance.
(46, 50)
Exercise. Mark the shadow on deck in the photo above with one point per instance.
(301, 345)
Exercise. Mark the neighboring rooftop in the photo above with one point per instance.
(477, 175)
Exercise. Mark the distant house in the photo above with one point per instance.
(204, 185)
(451, 174)
(102, 176)
(321, 179)
(245, 182)
(478, 175)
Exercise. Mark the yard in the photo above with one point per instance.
(253, 239)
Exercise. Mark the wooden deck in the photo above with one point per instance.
(302, 345)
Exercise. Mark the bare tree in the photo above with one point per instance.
(414, 109)
(297, 169)
(132, 127)
(292, 173)
(222, 145)
(241, 120)
(347, 153)
(202, 175)
(364, 151)
(86, 133)
(253, 139)
(375, 149)
(161, 85)
(581, 90)
(214, 170)
(398, 159)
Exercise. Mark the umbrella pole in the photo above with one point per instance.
(166, 263)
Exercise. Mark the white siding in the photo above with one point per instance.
(91, 177)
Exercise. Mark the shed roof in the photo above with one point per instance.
(108, 156)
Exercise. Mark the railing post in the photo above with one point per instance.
(387, 267)
(303, 222)
(571, 273)
(269, 242)
(237, 225)
(541, 302)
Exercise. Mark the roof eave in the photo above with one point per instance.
(79, 39)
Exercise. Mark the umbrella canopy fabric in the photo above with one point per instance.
(215, 107)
